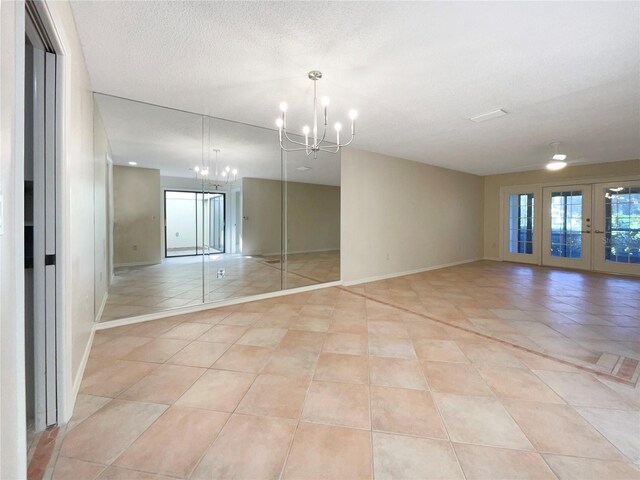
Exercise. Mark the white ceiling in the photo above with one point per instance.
(416, 71)
(175, 142)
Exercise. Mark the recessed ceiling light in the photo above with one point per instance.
(483, 117)
(556, 165)
(303, 168)
(133, 163)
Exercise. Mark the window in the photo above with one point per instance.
(622, 225)
(521, 210)
(566, 224)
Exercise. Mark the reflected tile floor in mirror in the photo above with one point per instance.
(177, 282)
(330, 384)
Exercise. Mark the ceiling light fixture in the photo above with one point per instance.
(133, 164)
(220, 177)
(558, 159)
(319, 143)
(483, 117)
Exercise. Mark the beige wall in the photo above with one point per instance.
(399, 215)
(101, 152)
(261, 216)
(137, 216)
(575, 174)
(313, 217)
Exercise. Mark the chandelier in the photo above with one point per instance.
(319, 144)
(220, 176)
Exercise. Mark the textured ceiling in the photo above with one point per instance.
(416, 71)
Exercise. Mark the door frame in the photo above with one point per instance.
(164, 204)
(585, 260)
(196, 193)
(224, 222)
(52, 397)
(598, 258)
(504, 190)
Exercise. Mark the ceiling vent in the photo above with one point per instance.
(483, 117)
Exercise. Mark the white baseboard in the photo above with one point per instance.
(102, 305)
(78, 380)
(135, 264)
(406, 272)
(207, 306)
(493, 259)
(277, 254)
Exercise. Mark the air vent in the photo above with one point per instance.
(304, 168)
(483, 117)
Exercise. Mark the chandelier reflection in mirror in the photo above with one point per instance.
(219, 177)
(319, 142)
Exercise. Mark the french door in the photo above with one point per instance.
(567, 226)
(616, 233)
(586, 226)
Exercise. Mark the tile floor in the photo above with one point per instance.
(329, 384)
(178, 282)
(588, 319)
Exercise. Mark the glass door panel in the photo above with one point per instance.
(617, 228)
(521, 217)
(181, 224)
(567, 226)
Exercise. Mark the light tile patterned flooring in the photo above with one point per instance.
(178, 282)
(328, 384)
(588, 319)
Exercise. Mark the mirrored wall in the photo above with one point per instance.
(193, 210)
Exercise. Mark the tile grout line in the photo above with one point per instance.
(489, 337)
(286, 458)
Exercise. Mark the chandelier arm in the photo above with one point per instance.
(329, 150)
(340, 145)
(292, 141)
(324, 134)
(291, 149)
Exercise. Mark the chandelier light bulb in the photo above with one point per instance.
(228, 168)
(196, 169)
(315, 133)
(234, 171)
(224, 173)
(205, 172)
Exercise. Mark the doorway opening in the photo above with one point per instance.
(194, 223)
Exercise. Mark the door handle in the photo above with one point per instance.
(598, 231)
(586, 231)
